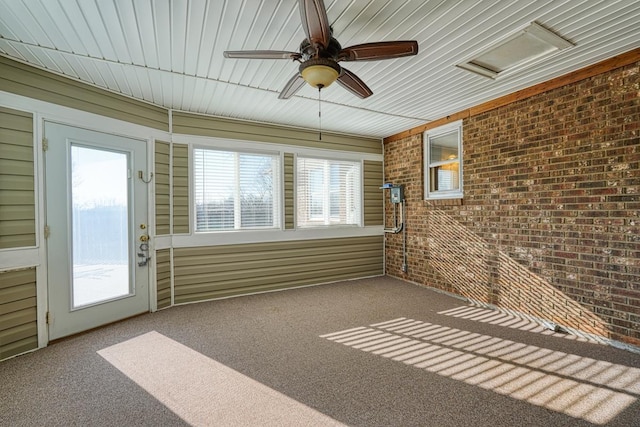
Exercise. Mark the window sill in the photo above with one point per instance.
(266, 236)
(458, 201)
(324, 227)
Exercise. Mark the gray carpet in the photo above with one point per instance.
(371, 352)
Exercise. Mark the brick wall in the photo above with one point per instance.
(550, 221)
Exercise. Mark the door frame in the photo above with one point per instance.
(89, 122)
(52, 112)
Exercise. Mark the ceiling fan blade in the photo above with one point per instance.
(379, 50)
(353, 84)
(261, 54)
(315, 22)
(293, 85)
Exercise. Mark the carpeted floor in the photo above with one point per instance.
(371, 352)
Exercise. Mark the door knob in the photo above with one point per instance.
(144, 238)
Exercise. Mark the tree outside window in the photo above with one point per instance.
(235, 190)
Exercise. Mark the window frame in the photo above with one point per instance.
(327, 217)
(276, 190)
(428, 165)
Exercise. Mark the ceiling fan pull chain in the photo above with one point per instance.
(319, 114)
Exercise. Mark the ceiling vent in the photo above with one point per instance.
(527, 45)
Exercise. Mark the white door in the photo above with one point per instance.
(96, 215)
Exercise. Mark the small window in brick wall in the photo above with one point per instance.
(443, 162)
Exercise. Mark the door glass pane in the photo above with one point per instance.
(100, 225)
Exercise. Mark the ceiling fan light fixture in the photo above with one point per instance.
(319, 54)
(320, 72)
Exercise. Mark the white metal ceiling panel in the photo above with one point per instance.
(96, 27)
(103, 69)
(125, 34)
(45, 28)
(19, 20)
(161, 36)
(169, 52)
(117, 70)
(80, 38)
(25, 53)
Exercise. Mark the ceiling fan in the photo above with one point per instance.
(320, 54)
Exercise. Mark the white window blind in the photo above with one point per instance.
(328, 192)
(235, 190)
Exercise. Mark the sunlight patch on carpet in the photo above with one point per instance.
(202, 391)
(585, 388)
(513, 321)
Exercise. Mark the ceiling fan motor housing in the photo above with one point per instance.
(310, 51)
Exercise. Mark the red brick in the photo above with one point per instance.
(550, 220)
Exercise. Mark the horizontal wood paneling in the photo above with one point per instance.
(193, 124)
(18, 315)
(17, 190)
(163, 277)
(373, 195)
(219, 271)
(289, 202)
(180, 189)
(162, 176)
(38, 84)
